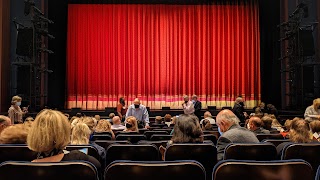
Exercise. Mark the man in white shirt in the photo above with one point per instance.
(139, 111)
(188, 107)
(117, 124)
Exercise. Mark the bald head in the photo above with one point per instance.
(225, 119)
(136, 101)
(116, 120)
(255, 123)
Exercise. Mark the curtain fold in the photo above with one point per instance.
(159, 53)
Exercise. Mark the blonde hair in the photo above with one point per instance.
(80, 134)
(16, 134)
(316, 103)
(89, 122)
(299, 131)
(15, 99)
(132, 120)
(50, 130)
(103, 126)
(275, 123)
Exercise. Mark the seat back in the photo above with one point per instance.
(210, 137)
(318, 174)
(160, 137)
(101, 137)
(276, 142)
(141, 131)
(17, 170)
(134, 152)
(306, 151)
(133, 138)
(269, 136)
(204, 153)
(157, 143)
(92, 151)
(155, 170)
(148, 134)
(166, 129)
(252, 170)
(16, 152)
(106, 144)
(250, 151)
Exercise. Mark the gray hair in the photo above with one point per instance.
(195, 96)
(231, 117)
(185, 96)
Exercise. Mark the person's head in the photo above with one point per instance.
(299, 131)
(254, 123)
(206, 126)
(187, 130)
(316, 104)
(225, 119)
(275, 122)
(173, 120)
(50, 130)
(97, 117)
(186, 98)
(4, 122)
(116, 120)
(136, 103)
(158, 119)
(195, 97)
(16, 100)
(16, 134)
(207, 114)
(28, 121)
(131, 124)
(167, 118)
(122, 101)
(80, 134)
(240, 100)
(267, 122)
(111, 115)
(103, 126)
(89, 121)
(262, 105)
(315, 126)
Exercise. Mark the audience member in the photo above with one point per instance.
(197, 106)
(255, 124)
(167, 119)
(238, 109)
(104, 126)
(231, 132)
(16, 134)
(315, 130)
(111, 115)
(122, 109)
(117, 124)
(131, 124)
(4, 122)
(80, 134)
(187, 105)
(28, 121)
(275, 124)
(206, 125)
(140, 112)
(186, 130)
(207, 115)
(97, 117)
(267, 123)
(15, 113)
(158, 120)
(49, 136)
(312, 112)
(299, 133)
(271, 109)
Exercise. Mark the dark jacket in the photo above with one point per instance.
(235, 134)
(238, 111)
(197, 109)
(261, 130)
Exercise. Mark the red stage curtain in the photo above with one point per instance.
(161, 52)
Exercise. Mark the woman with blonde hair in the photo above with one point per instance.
(80, 134)
(104, 126)
(15, 113)
(49, 135)
(312, 112)
(131, 124)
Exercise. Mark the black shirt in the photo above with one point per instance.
(78, 155)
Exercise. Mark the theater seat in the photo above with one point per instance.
(16, 152)
(101, 137)
(106, 144)
(160, 137)
(276, 142)
(266, 170)
(306, 151)
(148, 134)
(145, 152)
(92, 151)
(19, 170)
(133, 138)
(250, 151)
(204, 153)
(318, 174)
(210, 137)
(159, 170)
(157, 143)
(269, 136)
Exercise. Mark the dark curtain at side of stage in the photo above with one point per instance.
(159, 53)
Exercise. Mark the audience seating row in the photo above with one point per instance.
(159, 170)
